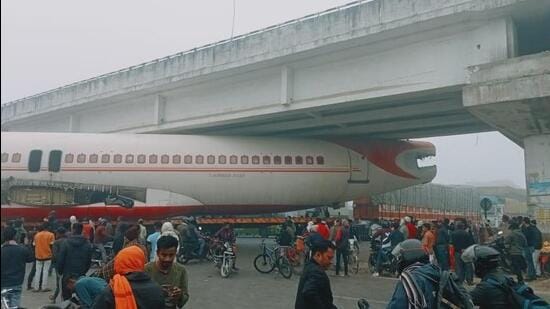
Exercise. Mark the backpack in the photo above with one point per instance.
(450, 295)
(520, 295)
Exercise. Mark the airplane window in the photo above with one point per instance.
(255, 160)
(309, 160)
(299, 160)
(105, 158)
(165, 159)
(54, 162)
(117, 158)
(211, 159)
(129, 158)
(188, 159)
(199, 159)
(320, 160)
(93, 158)
(35, 159)
(176, 159)
(141, 159)
(288, 160)
(277, 160)
(81, 158)
(266, 160)
(222, 159)
(153, 159)
(69, 158)
(5, 156)
(233, 160)
(244, 160)
(16, 157)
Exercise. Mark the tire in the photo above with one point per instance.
(372, 264)
(181, 259)
(354, 263)
(264, 264)
(225, 269)
(284, 267)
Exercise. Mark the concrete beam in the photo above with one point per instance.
(394, 125)
(366, 116)
(513, 96)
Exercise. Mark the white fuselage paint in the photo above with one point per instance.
(207, 184)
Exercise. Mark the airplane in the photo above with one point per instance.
(221, 175)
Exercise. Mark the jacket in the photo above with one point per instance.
(442, 236)
(427, 277)
(147, 293)
(75, 256)
(488, 296)
(515, 242)
(529, 234)
(314, 289)
(538, 237)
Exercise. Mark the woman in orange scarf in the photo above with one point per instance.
(131, 287)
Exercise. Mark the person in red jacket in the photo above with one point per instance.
(410, 228)
(323, 229)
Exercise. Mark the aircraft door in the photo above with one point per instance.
(358, 167)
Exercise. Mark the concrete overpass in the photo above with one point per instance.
(384, 68)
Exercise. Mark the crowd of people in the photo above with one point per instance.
(426, 252)
(142, 272)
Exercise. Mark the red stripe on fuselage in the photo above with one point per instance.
(37, 213)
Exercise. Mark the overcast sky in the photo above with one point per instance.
(47, 44)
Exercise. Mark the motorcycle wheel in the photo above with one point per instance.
(264, 264)
(354, 263)
(372, 264)
(284, 267)
(181, 259)
(225, 269)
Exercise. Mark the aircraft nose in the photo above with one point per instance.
(399, 158)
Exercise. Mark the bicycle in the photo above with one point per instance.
(270, 258)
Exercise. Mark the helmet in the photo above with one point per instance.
(385, 224)
(484, 258)
(408, 252)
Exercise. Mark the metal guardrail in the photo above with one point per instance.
(196, 49)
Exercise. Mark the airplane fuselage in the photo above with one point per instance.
(219, 171)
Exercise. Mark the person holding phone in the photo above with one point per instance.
(172, 277)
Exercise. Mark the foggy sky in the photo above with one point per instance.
(48, 44)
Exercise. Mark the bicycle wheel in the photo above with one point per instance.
(264, 264)
(284, 267)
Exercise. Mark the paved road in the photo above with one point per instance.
(250, 289)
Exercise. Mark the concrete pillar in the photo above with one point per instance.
(74, 123)
(537, 171)
(160, 104)
(287, 85)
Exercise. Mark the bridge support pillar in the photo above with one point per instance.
(513, 96)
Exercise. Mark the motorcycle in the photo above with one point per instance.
(190, 251)
(224, 259)
(389, 265)
(498, 244)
